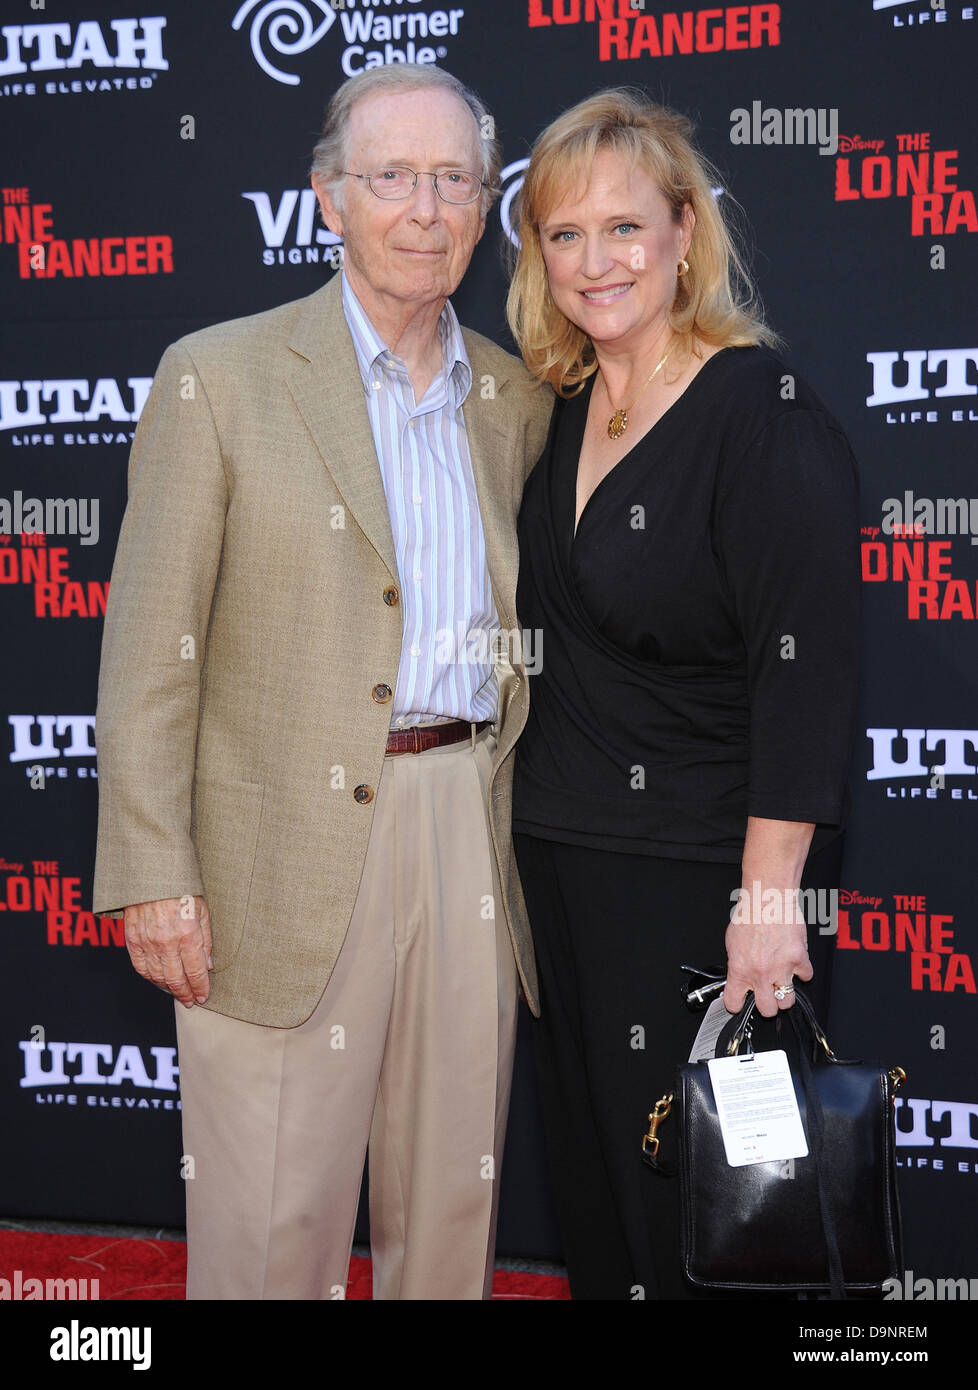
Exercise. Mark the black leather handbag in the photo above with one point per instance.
(827, 1223)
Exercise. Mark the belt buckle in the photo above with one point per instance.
(417, 740)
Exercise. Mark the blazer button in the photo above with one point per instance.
(382, 693)
(391, 595)
(363, 795)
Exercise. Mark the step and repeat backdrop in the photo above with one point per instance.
(154, 180)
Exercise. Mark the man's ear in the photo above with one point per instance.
(331, 214)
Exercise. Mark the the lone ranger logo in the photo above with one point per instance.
(625, 31)
(281, 30)
(925, 940)
(925, 176)
(902, 379)
(56, 899)
(28, 226)
(63, 59)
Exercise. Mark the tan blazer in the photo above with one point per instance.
(245, 631)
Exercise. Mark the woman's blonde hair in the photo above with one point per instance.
(715, 300)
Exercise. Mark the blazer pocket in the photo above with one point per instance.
(225, 823)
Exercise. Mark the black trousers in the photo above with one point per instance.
(611, 932)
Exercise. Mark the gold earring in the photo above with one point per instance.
(682, 268)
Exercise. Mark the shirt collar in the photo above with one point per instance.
(369, 346)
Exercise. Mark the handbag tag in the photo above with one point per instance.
(756, 1108)
(715, 1020)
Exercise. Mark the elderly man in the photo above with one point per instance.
(304, 748)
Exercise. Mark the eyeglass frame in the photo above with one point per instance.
(416, 174)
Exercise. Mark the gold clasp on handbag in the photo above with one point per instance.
(825, 1043)
(898, 1076)
(660, 1112)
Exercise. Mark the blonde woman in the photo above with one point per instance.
(688, 556)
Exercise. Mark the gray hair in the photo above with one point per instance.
(331, 154)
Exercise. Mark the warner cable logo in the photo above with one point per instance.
(288, 229)
(280, 30)
(90, 46)
(626, 32)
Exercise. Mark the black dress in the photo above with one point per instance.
(699, 641)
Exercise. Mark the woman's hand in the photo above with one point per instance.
(761, 955)
(767, 946)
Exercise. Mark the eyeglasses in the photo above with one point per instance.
(452, 185)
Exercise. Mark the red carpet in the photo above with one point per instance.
(130, 1270)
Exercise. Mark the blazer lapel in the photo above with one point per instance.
(325, 383)
(493, 437)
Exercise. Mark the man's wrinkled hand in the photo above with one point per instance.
(169, 943)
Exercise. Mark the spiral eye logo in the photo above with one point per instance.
(514, 172)
(284, 26)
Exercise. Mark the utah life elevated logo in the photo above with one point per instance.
(280, 30)
(63, 59)
(51, 1071)
(922, 14)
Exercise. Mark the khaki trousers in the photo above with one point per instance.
(410, 1049)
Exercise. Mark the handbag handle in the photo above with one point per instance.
(744, 1021)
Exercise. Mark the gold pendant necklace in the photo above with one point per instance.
(618, 423)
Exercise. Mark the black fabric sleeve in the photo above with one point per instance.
(786, 537)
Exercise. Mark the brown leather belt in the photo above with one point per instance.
(415, 740)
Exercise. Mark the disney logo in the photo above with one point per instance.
(847, 143)
(847, 896)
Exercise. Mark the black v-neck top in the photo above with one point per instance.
(699, 635)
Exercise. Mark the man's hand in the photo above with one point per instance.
(170, 943)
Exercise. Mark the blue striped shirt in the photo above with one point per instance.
(448, 613)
